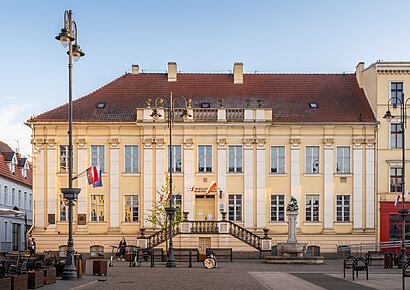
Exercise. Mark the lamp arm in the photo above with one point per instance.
(74, 30)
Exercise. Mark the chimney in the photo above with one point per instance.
(135, 69)
(172, 71)
(238, 73)
(359, 74)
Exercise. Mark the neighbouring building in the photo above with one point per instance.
(262, 137)
(15, 199)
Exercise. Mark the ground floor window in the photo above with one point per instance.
(277, 208)
(343, 208)
(235, 207)
(131, 208)
(97, 208)
(312, 208)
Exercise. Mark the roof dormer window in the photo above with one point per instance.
(12, 167)
(313, 105)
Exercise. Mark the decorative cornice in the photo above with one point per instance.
(221, 142)
(81, 142)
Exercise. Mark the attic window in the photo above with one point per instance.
(313, 105)
(205, 105)
(101, 105)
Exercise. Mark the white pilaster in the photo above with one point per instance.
(39, 188)
(52, 191)
(248, 183)
(160, 167)
(114, 183)
(260, 183)
(81, 153)
(370, 214)
(222, 168)
(328, 206)
(295, 172)
(147, 173)
(357, 184)
(189, 176)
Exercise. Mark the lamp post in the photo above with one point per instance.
(403, 212)
(170, 209)
(68, 37)
(25, 225)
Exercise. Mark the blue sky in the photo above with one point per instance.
(318, 36)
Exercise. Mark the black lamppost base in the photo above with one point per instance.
(70, 272)
(403, 253)
(171, 259)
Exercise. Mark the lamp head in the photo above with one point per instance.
(65, 37)
(388, 116)
(155, 114)
(77, 52)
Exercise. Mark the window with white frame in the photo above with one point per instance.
(30, 201)
(312, 208)
(63, 209)
(396, 136)
(277, 160)
(396, 92)
(63, 155)
(176, 158)
(131, 208)
(13, 196)
(19, 199)
(25, 200)
(396, 179)
(12, 167)
(312, 159)
(235, 158)
(131, 158)
(204, 158)
(235, 207)
(177, 200)
(6, 195)
(343, 160)
(1, 195)
(97, 208)
(343, 208)
(277, 208)
(98, 156)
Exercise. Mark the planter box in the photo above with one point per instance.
(35, 279)
(100, 267)
(49, 275)
(5, 283)
(19, 282)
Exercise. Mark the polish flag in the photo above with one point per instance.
(192, 188)
(397, 200)
(211, 187)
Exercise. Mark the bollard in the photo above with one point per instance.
(152, 258)
(190, 259)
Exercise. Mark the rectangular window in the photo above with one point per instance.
(396, 136)
(235, 158)
(97, 208)
(30, 203)
(176, 158)
(19, 199)
(396, 178)
(178, 201)
(277, 208)
(235, 207)
(396, 92)
(131, 159)
(277, 161)
(25, 200)
(13, 197)
(312, 159)
(63, 158)
(63, 209)
(343, 208)
(6, 195)
(343, 160)
(131, 210)
(97, 156)
(204, 158)
(312, 208)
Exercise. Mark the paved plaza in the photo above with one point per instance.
(240, 274)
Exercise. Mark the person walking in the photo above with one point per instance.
(121, 249)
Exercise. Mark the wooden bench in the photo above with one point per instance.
(222, 254)
(347, 264)
(360, 264)
(374, 256)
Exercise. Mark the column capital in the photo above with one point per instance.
(294, 143)
(260, 143)
(370, 143)
(357, 143)
(248, 142)
(222, 142)
(51, 142)
(148, 142)
(114, 143)
(81, 142)
(328, 142)
(159, 142)
(38, 143)
(188, 143)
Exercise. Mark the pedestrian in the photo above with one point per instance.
(32, 246)
(121, 249)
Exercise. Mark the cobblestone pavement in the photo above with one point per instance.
(240, 274)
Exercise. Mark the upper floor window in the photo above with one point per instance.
(63, 209)
(204, 158)
(235, 207)
(98, 156)
(131, 208)
(176, 158)
(343, 208)
(25, 200)
(396, 136)
(312, 208)
(6, 195)
(277, 208)
(343, 159)
(396, 92)
(312, 159)
(277, 159)
(63, 158)
(235, 158)
(396, 177)
(13, 197)
(19, 199)
(12, 167)
(24, 172)
(131, 158)
(30, 201)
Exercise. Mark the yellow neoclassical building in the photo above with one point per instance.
(262, 137)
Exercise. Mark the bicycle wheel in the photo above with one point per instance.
(209, 263)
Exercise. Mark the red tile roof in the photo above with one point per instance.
(338, 96)
(5, 170)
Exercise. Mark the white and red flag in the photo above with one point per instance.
(397, 200)
(211, 187)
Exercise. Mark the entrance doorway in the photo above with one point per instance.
(204, 243)
(15, 237)
(205, 207)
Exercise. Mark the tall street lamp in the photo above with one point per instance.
(25, 225)
(403, 212)
(170, 209)
(68, 37)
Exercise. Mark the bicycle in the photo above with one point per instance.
(210, 260)
(111, 264)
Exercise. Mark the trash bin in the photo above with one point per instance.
(343, 251)
(388, 260)
(274, 251)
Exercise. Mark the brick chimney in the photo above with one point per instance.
(238, 73)
(135, 69)
(172, 71)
